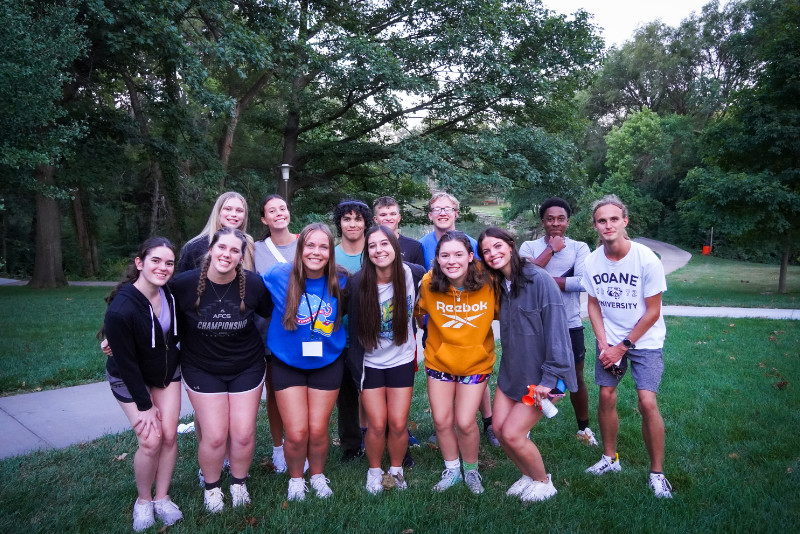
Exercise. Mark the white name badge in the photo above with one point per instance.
(312, 348)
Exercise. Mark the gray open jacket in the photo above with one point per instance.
(534, 336)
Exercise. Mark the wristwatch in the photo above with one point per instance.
(628, 343)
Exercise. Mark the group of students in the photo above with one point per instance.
(320, 324)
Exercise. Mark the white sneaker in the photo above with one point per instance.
(399, 481)
(320, 485)
(539, 491)
(143, 515)
(661, 486)
(279, 460)
(374, 483)
(239, 495)
(213, 500)
(518, 487)
(297, 489)
(473, 481)
(167, 511)
(587, 437)
(606, 465)
(450, 477)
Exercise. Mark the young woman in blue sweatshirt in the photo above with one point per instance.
(306, 341)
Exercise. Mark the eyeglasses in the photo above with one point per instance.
(446, 211)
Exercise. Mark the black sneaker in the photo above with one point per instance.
(408, 461)
(351, 455)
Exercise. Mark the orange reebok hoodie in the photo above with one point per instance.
(460, 338)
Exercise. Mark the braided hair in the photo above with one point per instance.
(201, 281)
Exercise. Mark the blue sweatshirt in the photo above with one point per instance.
(317, 306)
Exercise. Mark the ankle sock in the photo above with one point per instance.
(212, 485)
(470, 466)
(396, 470)
(235, 480)
(452, 464)
(583, 424)
(487, 422)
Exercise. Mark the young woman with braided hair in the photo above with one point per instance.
(222, 360)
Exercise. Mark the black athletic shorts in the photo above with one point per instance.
(578, 344)
(328, 378)
(401, 376)
(120, 390)
(200, 381)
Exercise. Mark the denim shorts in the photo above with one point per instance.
(647, 366)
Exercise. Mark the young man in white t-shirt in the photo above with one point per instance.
(625, 281)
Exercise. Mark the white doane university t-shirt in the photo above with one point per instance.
(620, 288)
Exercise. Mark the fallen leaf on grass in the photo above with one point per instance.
(433, 446)
(267, 465)
(778, 332)
(496, 483)
(731, 325)
(789, 470)
(781, 385)
(732, 358)
(387, 481)
(733, 456)
(761, 364)
(163, 529)
(121, 457)
(412, 425)
(285, 505)
(407, 531)
(250, 521)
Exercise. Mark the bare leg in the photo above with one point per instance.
(608, 419)
(652, 429)
(512, 422)
(242, 417)
(468, 398)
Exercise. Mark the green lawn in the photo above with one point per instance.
(48, 337)
(730, 416)
(710, 281)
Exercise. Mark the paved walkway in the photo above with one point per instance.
(62, 417)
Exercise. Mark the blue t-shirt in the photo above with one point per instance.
(429, 243)
(351, 262)
(317, 306)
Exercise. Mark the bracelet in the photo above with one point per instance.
(551, 248)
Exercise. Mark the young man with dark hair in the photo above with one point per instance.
(352, 218)
(625, 281)
(563, 259)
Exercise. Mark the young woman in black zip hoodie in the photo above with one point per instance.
(140, 324)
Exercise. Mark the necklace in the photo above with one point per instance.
(457, 292)
(219, 299)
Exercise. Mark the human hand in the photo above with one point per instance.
(106, 348)
(611, 355)
(557, 243)
(149, 421)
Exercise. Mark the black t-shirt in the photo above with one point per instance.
(217, 337)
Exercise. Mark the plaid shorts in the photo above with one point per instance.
(447, 377)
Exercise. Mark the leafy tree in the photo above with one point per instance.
(752, 188)
(40, 40)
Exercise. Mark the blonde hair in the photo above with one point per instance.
(213, 225)
(442, 195)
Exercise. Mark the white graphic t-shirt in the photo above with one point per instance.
(620, 288)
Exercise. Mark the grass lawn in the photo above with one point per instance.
(48, 337)
(730, 416)
(710, 281)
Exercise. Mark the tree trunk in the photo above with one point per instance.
(48, 270)
(784, 270)
(83, 235)
(291, 133)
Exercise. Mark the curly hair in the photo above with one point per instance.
(554, 201)
(352, 206)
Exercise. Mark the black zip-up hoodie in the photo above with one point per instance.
(143, 355)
